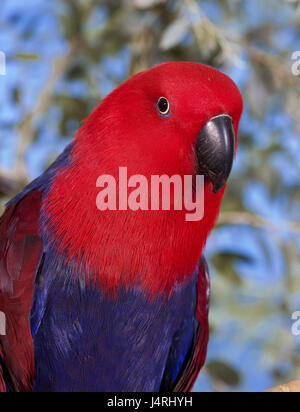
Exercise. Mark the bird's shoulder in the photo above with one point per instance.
(20, 252)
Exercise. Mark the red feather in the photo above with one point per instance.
(197, 359)
(20, 253)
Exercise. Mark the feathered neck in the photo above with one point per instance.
(154, 249)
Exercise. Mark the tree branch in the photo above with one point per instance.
(250, 219)
(26, 128)
(288, 388)
(204, 28)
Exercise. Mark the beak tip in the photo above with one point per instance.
(216, 190)
(218, 186)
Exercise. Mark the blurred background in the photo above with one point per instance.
(64, 56)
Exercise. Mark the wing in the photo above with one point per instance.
(194, 354)
(20, 254)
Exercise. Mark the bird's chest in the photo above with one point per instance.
(90, 342)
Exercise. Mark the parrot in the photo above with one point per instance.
(118, 300)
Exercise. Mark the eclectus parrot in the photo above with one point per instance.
(117, 300)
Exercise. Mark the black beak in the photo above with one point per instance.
(215, 150)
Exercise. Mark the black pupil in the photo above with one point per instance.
(163, 105)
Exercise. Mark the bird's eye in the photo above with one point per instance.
(163, 106)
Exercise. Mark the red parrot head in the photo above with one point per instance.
(176, 119)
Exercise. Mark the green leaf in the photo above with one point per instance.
(27, 56)
(224, 264)
(223, 372)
